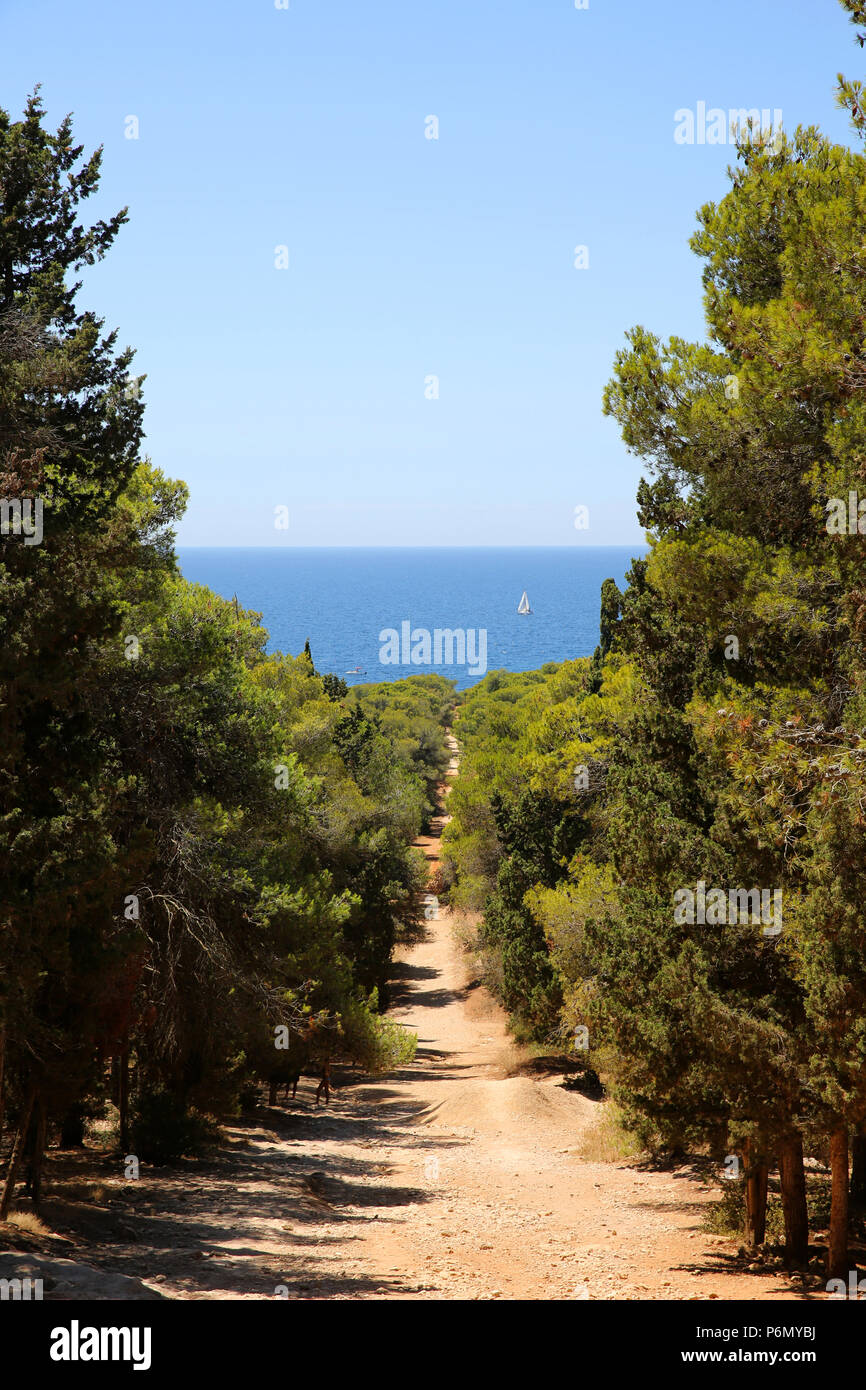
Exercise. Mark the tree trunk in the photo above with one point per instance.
(2, 1063)
(272, 1091)
(858, 1168)
(40, 1130)
(793, 1180)
(72, 1129)
(15, 1156)
(123, 1099)
(757, 1174)
(837, 1252)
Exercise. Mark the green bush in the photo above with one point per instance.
(379, 1044)
(727, 1216)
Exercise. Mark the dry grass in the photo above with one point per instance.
(509, 1060)
(78, 1191)
(464, 927)
(28, 1221)
(606, 1141)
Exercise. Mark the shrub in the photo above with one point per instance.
(164, 1129)
(379, 1044)
(727, 1216)
(248, 1097)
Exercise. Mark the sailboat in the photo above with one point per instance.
(523, 605)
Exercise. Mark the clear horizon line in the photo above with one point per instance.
(607, 545)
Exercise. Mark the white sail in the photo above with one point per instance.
(523, 605)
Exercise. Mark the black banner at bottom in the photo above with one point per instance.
(250, 1337)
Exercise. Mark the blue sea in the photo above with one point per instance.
(342, 599)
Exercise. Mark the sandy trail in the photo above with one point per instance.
(446, 1180)
(500, 1204)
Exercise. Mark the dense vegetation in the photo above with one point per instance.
(413, 715)
(206, 849)
(717, 738)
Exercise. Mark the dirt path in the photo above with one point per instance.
(490, 1199)
(449, 1179)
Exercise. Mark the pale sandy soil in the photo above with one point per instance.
(446, 1180)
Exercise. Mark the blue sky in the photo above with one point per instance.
(409, 257)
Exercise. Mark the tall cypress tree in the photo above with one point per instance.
(70, 431)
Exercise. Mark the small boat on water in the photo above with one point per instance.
(523, 605)
(356, 671)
